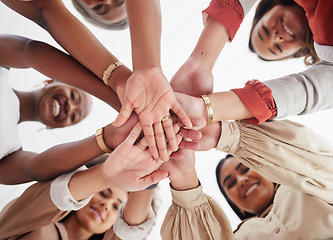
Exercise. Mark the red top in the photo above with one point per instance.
(228, 12)
(320, 16)
(256, 96)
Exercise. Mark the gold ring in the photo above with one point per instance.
(166, 118)
(140, 145)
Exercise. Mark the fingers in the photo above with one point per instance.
(169, 132)
(124, 114)
(154, 178)
(189, 145)
(160, 141)
(194, 135)
(179, 111)
(134, 134)
(149, 135)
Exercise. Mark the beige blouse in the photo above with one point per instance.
(33, 216)
(284, 152)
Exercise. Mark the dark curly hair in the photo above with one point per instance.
(307, 50)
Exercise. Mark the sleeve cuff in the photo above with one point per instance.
(189, 199)
(259, 100)
(229, 13)
(62, 197)
(127, 232)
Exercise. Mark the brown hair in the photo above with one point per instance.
(307, 50)
(110, 26)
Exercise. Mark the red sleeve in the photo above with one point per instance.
(259, 100)
(228, 12)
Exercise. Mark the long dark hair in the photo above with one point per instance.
(307, 50)
(241, 214)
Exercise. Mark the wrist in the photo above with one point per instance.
(209, 110)
(188, 180)
(100, 139)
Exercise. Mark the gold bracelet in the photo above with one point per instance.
(107, 73)
(209, 107)
(100, 140)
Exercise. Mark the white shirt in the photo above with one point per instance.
(9, 116)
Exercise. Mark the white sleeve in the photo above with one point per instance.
(127, 232)
(303, 93)
(62, 197)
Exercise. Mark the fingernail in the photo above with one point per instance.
(180, 125)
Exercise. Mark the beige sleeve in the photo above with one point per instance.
(284, 152)
(194, 215)
(31, 211)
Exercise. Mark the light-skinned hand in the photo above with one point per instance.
(193, 78)
(131, 167)
(150, 95)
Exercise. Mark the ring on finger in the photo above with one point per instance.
(166, 118)
(140, 145)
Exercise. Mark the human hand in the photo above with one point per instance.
(150, 95)
(195, 108)
(193, 78)
(182, 171)
(131, 167)
(202, 140)
(113, 136)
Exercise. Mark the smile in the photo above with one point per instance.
(97, 213)
(251, 189)
(55, 108)
(287, 29)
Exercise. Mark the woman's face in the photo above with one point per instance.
(279, 32)
(101, 212)
(247, 189)
(61, 105)
(105, 11)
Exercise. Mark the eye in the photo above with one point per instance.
(245, 170)
(116, 207)
(103, 194)
(72, 95)
(278, 47)
(265, 30)
(73, 117)
(97, 7)
(231, 184)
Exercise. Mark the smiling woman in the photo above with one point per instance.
(281, 30)
(56, 105)
(247, 192)
(108, 14)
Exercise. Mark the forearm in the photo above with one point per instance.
(62, 158)
(211, 42)
(54, 17)
(144, 19)
(61, 67)
(81, 185)
(228, 106)
(137, 207)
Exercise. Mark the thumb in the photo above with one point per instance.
(124, 114)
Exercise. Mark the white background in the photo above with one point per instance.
(182, 25)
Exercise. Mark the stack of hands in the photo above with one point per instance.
(172, 122)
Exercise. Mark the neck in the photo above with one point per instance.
(75, 230)
(28, 108)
